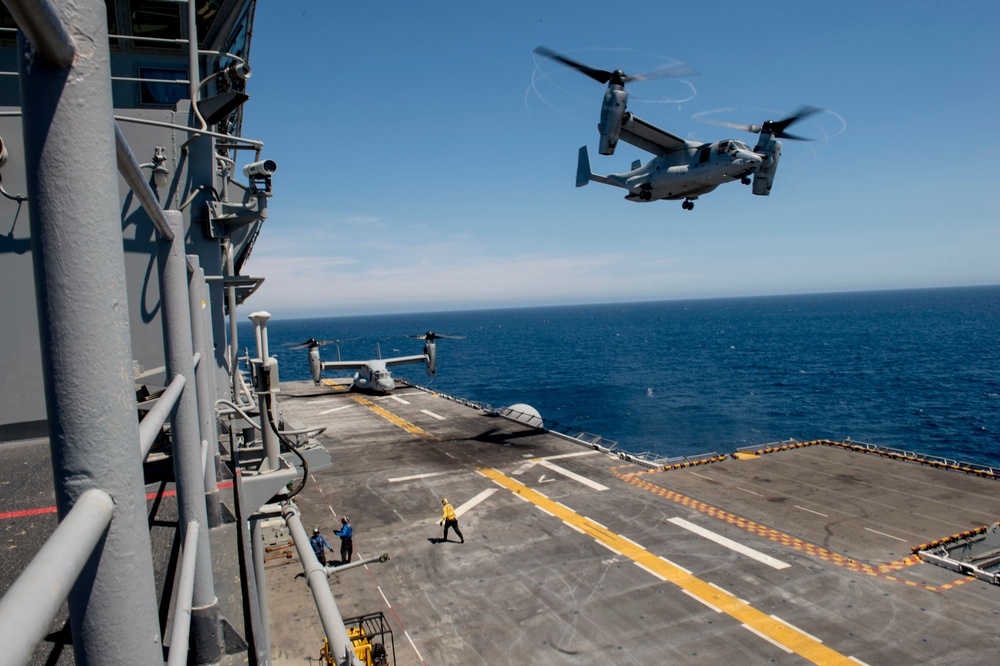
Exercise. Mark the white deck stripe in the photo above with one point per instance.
(789, 624)
(569, 455)
(572, 475)
(474, 501)
(768, 639)
(417, 476)
(335, 409)
(810, 511)
(432, 414)
(885, 535)
(655, 574)
(700, 600)
(730, 544)
(398, 399)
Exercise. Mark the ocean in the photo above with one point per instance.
(916, 370)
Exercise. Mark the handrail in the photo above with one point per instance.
(316, 578)
(31, 603)
(181, 631)
(129, 168)
(44, 29)
(149, 426)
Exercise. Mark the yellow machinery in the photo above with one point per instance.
(368, 635)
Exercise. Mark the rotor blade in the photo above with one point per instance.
(780, 126)
(431, 335)
(677, 69)
(313, 342)
(599, 75)
(723, 123)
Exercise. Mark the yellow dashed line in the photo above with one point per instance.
(774, 629)
(333, 384)
(405, 425)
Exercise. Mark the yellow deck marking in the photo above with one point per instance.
(802, 644)
(332, 384)
(405, 425)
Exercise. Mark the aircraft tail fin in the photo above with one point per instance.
(583, 172)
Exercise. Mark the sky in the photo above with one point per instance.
(427, 157)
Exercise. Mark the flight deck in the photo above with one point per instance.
(572, 556)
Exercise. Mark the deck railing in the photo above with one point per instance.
(95, 559)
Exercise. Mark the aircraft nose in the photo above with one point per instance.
(745, 157)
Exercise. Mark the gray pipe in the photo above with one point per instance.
(206, 638)
(79, 269)
(198, 301)
(154, 419)
(31, 603)
(180, 634)
(44, 28)
(329, 614)
(129, 168)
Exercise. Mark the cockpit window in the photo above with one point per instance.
(723, 147)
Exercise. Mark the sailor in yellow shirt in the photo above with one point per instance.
(450, 520)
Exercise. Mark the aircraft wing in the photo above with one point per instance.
(403, 360)
(651, 138)
(343, 365)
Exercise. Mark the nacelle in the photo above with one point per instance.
(430, 351)
(315, 365)
(770, 149)
(612, 112)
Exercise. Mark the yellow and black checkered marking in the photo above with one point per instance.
(881, 571)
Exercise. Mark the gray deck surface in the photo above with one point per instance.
(529, 587)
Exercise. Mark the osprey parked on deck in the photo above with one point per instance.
(374, 375)
(682, 169)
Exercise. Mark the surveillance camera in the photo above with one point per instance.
(262, 168)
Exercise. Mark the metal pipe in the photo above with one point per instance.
(45, 30)
(194, 72)
(79, 269)
(332, 570)
(329, 614)
(206, 639)
(181, 632)
(233, 337)
(260, 575)
(265, 396)
(149, 426)
(31, 603)
(198, 300)
(129, 168)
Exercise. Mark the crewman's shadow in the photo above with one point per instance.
(436, 540)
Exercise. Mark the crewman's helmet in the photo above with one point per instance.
(444, 501)
(316, 530)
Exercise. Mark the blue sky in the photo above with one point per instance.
(426, 158)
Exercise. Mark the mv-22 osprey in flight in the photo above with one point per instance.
(374, 374)
(682, 169)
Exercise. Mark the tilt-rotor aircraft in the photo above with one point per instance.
(373, 374)
(681, 169)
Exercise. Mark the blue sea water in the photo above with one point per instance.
(917, 370)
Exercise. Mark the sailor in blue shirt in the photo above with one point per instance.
(346, 534)
(320, 545)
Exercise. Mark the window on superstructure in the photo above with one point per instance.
(155, 93)
(157, 19)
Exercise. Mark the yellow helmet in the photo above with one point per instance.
(444, 501)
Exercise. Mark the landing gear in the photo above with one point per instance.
(687, 205)
(745, 180)
(645, 195)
